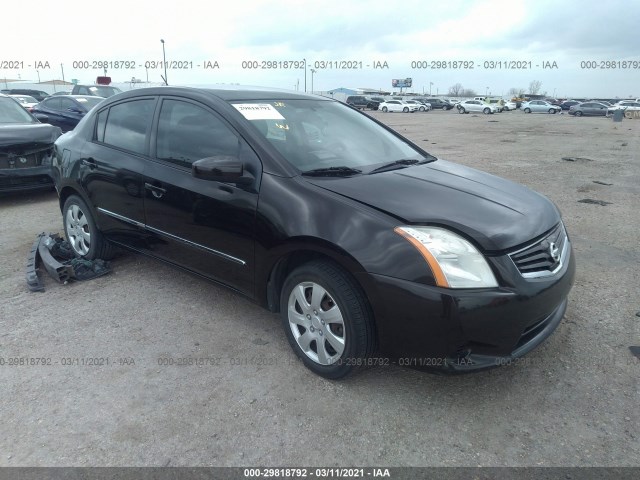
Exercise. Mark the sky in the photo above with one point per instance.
(490, 46)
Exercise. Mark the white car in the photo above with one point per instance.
(625, 105)
(26, 101)
(476, 106)
(510, 105)
(540, 106)
(422, 107)
(397, 106)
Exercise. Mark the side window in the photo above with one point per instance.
(127, 124)
(83, 91)
(187, 132)
(66, 104)
(53, 104)
(100, 123)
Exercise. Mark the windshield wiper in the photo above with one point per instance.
(396, 165)
(341, 171)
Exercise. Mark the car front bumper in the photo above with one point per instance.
(23, 179)
(466, 330)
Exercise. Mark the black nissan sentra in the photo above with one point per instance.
(371, 249)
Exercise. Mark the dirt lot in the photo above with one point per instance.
(573, 401)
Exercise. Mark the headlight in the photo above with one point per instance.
(454, 261)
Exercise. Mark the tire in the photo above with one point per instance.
(311, 295)
(82, 234)
(552, 110)
(506, 109)
(385, 109)
(422, 109)
(527, 110)
(486, 111)
(461, 110)
(578, 113)
(405, 109)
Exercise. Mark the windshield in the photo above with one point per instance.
(317, 134)
(25, 99)
(104, 91)
(12, 112)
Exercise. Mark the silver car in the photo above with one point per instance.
(539, 106)
(476, 106)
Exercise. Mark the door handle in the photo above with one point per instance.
(90, 162)
(157, 192)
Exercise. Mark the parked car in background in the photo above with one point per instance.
(624, 105)
(39, 95)
(397, 106)
(498, 102)
(476, 106)
(422, 107)
(539, 106)
(553, 101)
(437, 103)
(26, 101)
(589, 108)
(362, 241)
(63, 92)
(26, 148)
(362, 102)
(103, 91)
(568, 103)
(65, 111)
(510, 105)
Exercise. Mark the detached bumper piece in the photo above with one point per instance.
(57, 257)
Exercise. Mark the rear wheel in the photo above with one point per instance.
(81, 231)
(327, 319)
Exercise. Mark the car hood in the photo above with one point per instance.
(497, 213)
(28, 135)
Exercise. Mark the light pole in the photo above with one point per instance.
(430, 85)
(312, 70)
(38, 72)
(164, 61)
(486, 92)
(305, 75)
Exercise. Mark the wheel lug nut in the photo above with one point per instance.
(320, 332)
(308, 316)
(322, 322)
(312, 329)
(315, 312)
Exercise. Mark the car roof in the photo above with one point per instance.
(227, 93)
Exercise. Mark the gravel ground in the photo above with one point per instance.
(572, 402)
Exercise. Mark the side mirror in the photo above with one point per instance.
(222, 168)
(42, 117)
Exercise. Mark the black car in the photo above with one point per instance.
(568, 104)
(65, 111)
(39, 95)
(369, 247)
(26, 148)
(359, 101)
(437, 103)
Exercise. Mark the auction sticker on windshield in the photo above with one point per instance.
(258, 111)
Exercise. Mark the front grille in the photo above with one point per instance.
(538, 260)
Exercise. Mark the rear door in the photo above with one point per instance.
(112, 165)
(203, 225)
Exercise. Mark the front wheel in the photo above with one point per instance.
(327, 319)
(578, 113)
(552, 110)
(461, 110)
(527, 110)
(405, 109)
(486, 111)
(81, 231)
(385, 109)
